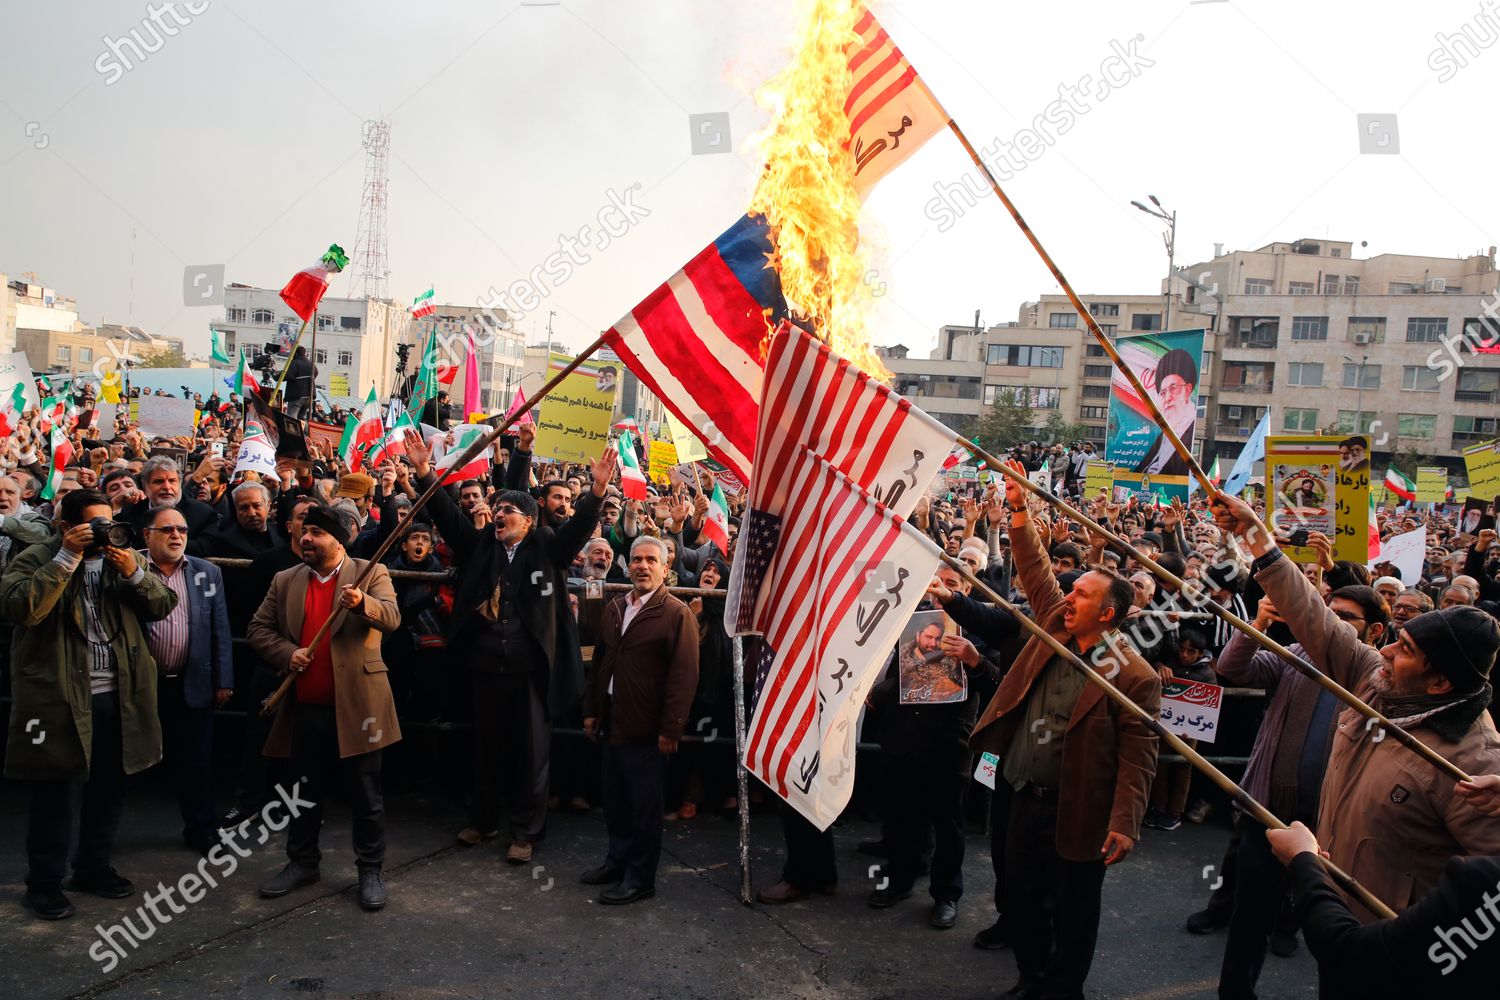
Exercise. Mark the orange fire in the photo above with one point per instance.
(807, 189)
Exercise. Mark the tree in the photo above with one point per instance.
(1005, 424)
(1056, 430)
(161, 357)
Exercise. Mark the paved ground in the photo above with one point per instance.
(461, 923)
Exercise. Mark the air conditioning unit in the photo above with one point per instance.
(1437, 284)
(1234, 413)
(1363, 337)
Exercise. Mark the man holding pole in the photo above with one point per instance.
(1386, 817)
(1079, 766)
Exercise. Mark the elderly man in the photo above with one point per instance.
(18, 527)
(1079, 767)
(1456, 596)
(638, 701)
(1387, 817)
(84, 712)
(506, 628)
(163, 488)
(193, 650)
(250, 533)
(340, 708)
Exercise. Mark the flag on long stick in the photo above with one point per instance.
(216, 347)
(62, 453)
(716, 521)
(423, 305)
(471, 379)
(1398, 484)
(449, 471)
(307, 287)
(632, 479)
(891, 112)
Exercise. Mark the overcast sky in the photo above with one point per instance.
(238, 143)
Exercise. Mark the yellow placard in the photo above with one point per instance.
(573, 425)
(1483, 463)
(338, 384)
(689, 448)
(1432, 484)
(1100, 475)
(135, 411)
(1320, 484)
(663, 456)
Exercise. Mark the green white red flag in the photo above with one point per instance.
(632, 479)
(716, 521)
(449, 469)
(62, 453)
(12, 409)
(303, 293)
(242, 382)
(1398, 484)
(423, 305)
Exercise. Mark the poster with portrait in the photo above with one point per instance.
(1320, 484)
(574, 425)
(1168, 365)
(927, 677)
(1476, 516)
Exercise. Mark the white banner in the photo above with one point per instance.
(165, 416)
(15, 368)
(1407, 552)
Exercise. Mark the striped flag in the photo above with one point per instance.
(813, 398)
(62, 453)
(423, 305)
(696, 341)
(716, 521)
(303, 293)
(850, 573)
(632, 479)
(11, 409)
(256, 453)
(1398, 484)
(891, 112)
(448, 467)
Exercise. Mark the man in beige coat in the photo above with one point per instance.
(340, 706)
(1386, 816)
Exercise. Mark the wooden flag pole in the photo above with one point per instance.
(1242, 798)
(281, 380)
(742, 775)
(1199, 596)
(1088, 318)
(470, 453)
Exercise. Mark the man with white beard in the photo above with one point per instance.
(163, 486)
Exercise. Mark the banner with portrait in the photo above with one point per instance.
(1320, 484)
(1169, 366)
(574, 425)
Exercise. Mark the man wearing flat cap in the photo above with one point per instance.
(1386, 816)
(504, 629)
(339, 711)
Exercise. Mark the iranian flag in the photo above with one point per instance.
(370, 426)
(305, 290)
(1374, 533)
(423, 305)
(11, 410)
(62, 453)
(449, 470)
(1213, 472)
(716, 522)
(53, 411)
(242, 382)
(632, 480)
(393, 442)
(954, 457)
(1398, 484)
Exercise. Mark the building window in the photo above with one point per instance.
(1034, 397)
(1248, 376)
(1299, 420)
(262, 316)
(1254, 332)
(1146, 322)
(325, 322)
(1093, 413)
(1403, 288)
(1416, 425)
(235, 314)
(86, 355)
(1335, 252)
(1309, 327)
(346, 358)
(1096, 392)
(1063, 321)
(1476, 385)
(1304, 373)
(320, 356)
(1346, 422)
(1299, 287)
(1025, 355)
(1473, 430)
(349, 322)
(1257, 286)
(1352, 376)
(1367, 329)
(1426, 329)
(1109, 330)
(1419, 378)
(1098, 371)
(64, 352)
(1482, 333)
(1094, 351)
(1105, 308)
(1330, 284)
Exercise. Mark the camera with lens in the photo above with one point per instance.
(110, 533)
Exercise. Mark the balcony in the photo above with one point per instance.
(1475, 395)
(1251, 387)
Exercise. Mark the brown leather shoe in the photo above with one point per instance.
(471, 836)
(781, 892)
(520, 852)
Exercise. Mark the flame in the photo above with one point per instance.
(807, 190)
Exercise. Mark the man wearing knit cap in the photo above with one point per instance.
(1387, 817)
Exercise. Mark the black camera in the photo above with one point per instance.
(107, 532)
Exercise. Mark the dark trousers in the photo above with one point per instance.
(1051, 905)
(315, 758)
(188, 746)
(1000, 798)
(512, 746)
(49, 830)
(928, 800)
(252, 788)
(810, 862)
(1257, 903)
(633, 781)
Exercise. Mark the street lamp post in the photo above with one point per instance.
(1170, 239)
(1359, 391)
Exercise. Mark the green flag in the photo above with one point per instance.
(425, 388)
(216, 348)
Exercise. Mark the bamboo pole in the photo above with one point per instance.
(1088, 318)
(1199, 596)
(1241, 797)
(281, 379)
(473, 451)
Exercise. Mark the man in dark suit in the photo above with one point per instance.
(194, 655)
(1080, 767)
(638, 700)
(245, 535)
(163, 487)
(512, 577)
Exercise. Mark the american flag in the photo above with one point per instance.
(891, 112)
(814, 399)
(848, 573)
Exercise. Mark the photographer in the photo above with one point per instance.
(88, 686)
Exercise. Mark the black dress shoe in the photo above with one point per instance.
(622, 894)
(237, 815)
(880, 899)
(371, 889)
(48, 903)
(874, 848)
(293, 876)
(1283, 943)
(993, 937)
(603, 875)
(944, 914)
(104, 882)
(1206, 922)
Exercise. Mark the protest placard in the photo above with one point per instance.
(1407, 552)
(1432, 484)
(1191, 708)
(689, 448)
(662, 456)
(1483, 463)
(1320, 484)
(15, 368)
(1098, 477)
(163, 416)
(1168, 366)
(574, 425)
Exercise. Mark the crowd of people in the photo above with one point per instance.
(490, 608)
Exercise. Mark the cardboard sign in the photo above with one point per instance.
(1432, 484)
(662, 456)
(1100, 476)
(1476, 517)
(1191, 708)
(1483, 463)
(689, 448)
(574, 425)
(989, 766)
(1407, 552)
(1320, 484)
(1169, 366)
(15, 368)
(164, 416)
